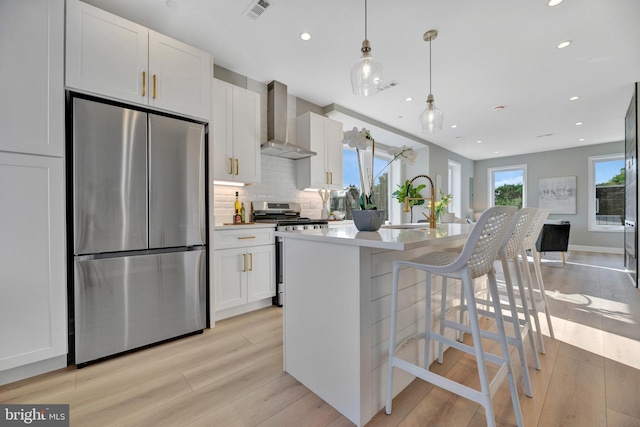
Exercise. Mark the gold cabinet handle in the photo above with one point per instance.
(326, 177)
(330, 177)
(237, 167)
(230, 166)
(246, 237)
(144, 83)
(250, 262)
(154, 85)
(244, 262)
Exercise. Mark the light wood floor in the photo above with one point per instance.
(232, 374)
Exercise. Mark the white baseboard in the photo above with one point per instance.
(242, 309)
(600, 249)
(31, 370)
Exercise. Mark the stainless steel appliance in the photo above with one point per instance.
(286, 216)
(139, 229)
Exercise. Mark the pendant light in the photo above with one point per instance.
(431, 119)
(366, 74)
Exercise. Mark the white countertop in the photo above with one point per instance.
(244, 226)
(413, 236)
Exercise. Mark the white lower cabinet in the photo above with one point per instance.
(33, 316)
(243, 271)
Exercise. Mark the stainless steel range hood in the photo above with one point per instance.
(278, 144)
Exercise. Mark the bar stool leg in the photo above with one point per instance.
(543, 294)
(392, 336)
(493, 288)
(515, 321)
(427, 320)
(443, 308)
(527, 315)
(479, 351)
(532, 299)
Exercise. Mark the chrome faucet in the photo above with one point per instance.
(432, 204)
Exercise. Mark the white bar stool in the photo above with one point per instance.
(537, 295)
(509, 251)
(475, 260)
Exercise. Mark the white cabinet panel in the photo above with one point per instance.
(229, 281)
(106, 54)
(117, 58)
(243, 274)
(182, 76)
(324, 136)
(31, 77)
(236, 133)
(33, 318)
(261, 278)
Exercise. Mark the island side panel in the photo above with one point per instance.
(322, 336)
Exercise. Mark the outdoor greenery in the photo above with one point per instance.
(509, 195)
(615, 180)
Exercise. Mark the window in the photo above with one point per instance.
(508, 186)
(455, 188)
(347, 200)
(606, 193)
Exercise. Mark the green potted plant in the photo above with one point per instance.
(441, 205)
(413, 193)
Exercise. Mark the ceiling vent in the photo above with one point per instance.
(256, 8)
(389, 85)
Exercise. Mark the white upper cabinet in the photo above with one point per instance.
(32, 77)
(111, 56)
(324, 136)
(236, 133)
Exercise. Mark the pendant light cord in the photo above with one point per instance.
(430, 65)
(365, 19)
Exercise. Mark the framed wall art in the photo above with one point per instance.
(558, 194)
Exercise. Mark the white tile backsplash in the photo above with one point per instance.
(278, 183)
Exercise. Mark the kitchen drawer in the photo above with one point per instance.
(227, 239)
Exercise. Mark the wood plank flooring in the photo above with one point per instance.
(232, 375)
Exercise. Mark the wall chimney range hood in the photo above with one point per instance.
(277, 144)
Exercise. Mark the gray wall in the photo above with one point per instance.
(568, 162)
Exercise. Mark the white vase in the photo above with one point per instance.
(324, 213)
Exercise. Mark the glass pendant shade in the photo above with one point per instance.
(366, 76)
(431, 119)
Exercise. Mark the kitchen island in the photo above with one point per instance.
(337, 307)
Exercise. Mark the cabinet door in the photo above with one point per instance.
(246, 135)
(33, 317)
(106, 54)
(317, 136)
(334, 146)
(230, 278)
(222, 147)
(179, 77)
(32, 76)
(261, 274)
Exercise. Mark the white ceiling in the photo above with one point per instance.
(488, 53)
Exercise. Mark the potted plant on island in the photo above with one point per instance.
(413, 193)
(441, 205)
(369, 218)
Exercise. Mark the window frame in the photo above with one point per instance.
(491, 181)
(591, 223)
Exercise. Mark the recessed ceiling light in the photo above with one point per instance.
(581, 139)
(579, 124)
(171, 4)
(573, 98)
(454, 126)
(305, 36)
(564, 44)
(554, 2)
(479, 141)
(495, 152)
(408, 99)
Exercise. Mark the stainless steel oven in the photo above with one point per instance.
(286, 216)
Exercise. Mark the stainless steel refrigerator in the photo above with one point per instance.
(139, 229)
